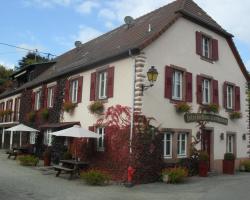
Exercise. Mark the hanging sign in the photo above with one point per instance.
(195, 117)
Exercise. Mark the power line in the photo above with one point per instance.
(26, 49)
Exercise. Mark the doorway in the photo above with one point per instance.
(206, 144)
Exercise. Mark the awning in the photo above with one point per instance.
(8, 124)
(59, 125)
(22, 127)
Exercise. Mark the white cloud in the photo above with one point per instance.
(47, 3)
(107, 14)
(86, 33)
(86, 7)
(7, 64)
(109, 25)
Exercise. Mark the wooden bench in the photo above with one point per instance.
(12, 153)
(59, 169)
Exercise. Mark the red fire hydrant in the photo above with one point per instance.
(131, 172)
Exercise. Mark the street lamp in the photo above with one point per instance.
(152, 75)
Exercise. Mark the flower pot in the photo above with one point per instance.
(165, 178)
(46, 161)
(203, 168)
(228, 166)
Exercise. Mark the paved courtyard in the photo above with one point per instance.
(24, 183)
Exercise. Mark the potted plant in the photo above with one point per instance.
(203, 163)
(228, 163)
(96, 107)
(235, 115)
(31, 116)
(164, 175)
(44, 113)
(47, 157)
(182, 107)
(214, 108)
(174, 175)
(69, 107)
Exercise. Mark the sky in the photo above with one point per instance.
(52, 26)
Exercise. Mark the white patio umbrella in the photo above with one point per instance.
(77, 132)
(20, 128)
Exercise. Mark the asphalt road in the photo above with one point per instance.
(24, 183)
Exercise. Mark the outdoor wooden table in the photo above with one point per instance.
(70, 166)
(21, 149)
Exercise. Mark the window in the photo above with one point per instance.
(167, 144)
(206, 91)
(50, 97)
(182, 145)
(38, 100)
(47, 138)
(73, 90)
(206, 46)
(100, 140)
(32, 137)
(17, 107)
(177, 85)
(102, 91)
(230, 143)
(230, 97)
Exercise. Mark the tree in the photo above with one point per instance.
(4, 78)
(31, 58)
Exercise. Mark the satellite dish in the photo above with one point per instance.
(128, 20)
(78, 43)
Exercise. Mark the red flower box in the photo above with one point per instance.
(228, 166)
(203, 168)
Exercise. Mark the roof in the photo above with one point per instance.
(59, 125)
(121, 41)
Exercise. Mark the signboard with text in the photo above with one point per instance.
(195, 117)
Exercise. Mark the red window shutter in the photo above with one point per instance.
(225, 95)
(92, 128)
(237, 98)
(110, 87)
(79, 92)
(66, 92)
(189, 88)
(93, 87)
(199, 89)
(33, 100)
(168, 82)
(215, 92)
(45, 99)
(215, 50)
(198, 43)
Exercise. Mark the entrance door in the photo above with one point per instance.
(206, 144)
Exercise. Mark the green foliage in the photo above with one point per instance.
(45, 113)
(246, 164)
(203, 156)
(214, 108)
(67, 155)
(96, 107)
(95, 177)
(229, 156)
(31, 58)
(69, 107)
(31, 116)
(28, 160)
(182, 107)
(235, 115)
(175, 175)
(5, 82)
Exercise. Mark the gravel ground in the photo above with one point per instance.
(26, 183)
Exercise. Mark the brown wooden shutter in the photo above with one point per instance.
(79, 92)
(215, 50)
(237, 98)
(189, 88)
(33, 100)
(66, 92)
(110, 86)
(215, 92)
(199, 89)
(168, 82)
(198, 43)
(45, 99)
(225, 95)
(93, 87)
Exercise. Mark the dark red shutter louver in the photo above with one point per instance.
(189, 88)
(199, 89)
(168, 82)
(66, 92)
(215, 92)
(110, 87)
(198, 43)
(225, 95)
(79, 95)
(237, 98)
(93, 87)
(45, 100)
(215, 50)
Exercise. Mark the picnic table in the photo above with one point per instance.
(72, 167)
(15, 151)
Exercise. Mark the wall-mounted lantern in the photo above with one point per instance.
(222, 136)
(152, 75)
(244, 136)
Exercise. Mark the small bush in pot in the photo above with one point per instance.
(96, 107)
(182, 107)
(95, 177)
(245, 165)
(228, 163)
(69, 107)
(28, 160)
(210, 108)
(203, 163)
(175, 175)
(235, 115)
(44, 113)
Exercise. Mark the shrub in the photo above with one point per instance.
(235, 115)
(182, 107)
(96, 107)
(229, 156)
(45, 113)
(175, 175)
(67, 155)
(28, 160)
(95, 177)
(203, 156)
(69, 107)
(246, 164)
(31, 116)
(214, 108)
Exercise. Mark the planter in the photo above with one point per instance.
(203, 168)
(46, 161)
(228, 166)
(165, 178)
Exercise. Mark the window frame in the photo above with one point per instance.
(73, 88)
(177, 83)
(209, 91)
(37, 106)
(206, 53)
(104, 86)
(179, 144)
(32, 137)
(165, 140)
(102, 138)
(47, 138)
(230, 143)
(231, 97)
(50, 97)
